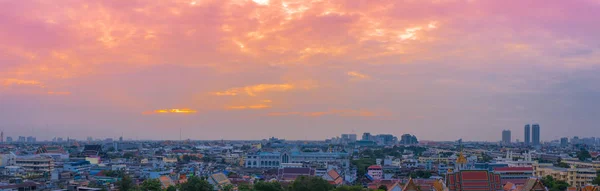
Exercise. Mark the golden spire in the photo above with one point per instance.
(461, 159)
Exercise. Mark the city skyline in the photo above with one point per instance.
(300, 70)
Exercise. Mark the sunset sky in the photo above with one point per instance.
(299, 69)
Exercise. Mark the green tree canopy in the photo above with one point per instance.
(228, 187)
(350, 188)
(304, 183)
(151, 185)
(126, 183)
(268, 186)
(596, 180)
(194, 183)
(171, 188)
(583, 155)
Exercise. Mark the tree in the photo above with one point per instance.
(228, 187)
(151, 185)
(553, 184)
(268, 186)
(583, 155)
(304, 183)
(245, 187)
(563, 165)
(363, 164)
(350, 188)
(171, 188)
(486, 158)
(126, 183)
(196, 184)
(382, 187)
(128, 155)
(596, 181)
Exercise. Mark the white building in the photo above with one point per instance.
(275, 159)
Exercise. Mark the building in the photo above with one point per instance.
(506, 139)
(527, 135)
(56, 152)
(333, 177)
(288, 174)
(574, 176)
(36, 165)
(408, 139)
(9, 139)
(386, 139)
(25, 186)
(352, 138)
(91, 150)
(22, 139)
(78, 167)
(535, 137)
(367, 136)
(595, 165)
(375, 172)
(276, 159)
(532, 184)
(465, 180)
(348, 138)
(7, 159)
(515, 175)
(564, 141)
(218, 180)
(31, 139)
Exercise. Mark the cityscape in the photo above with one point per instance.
(299, 95)
(345, 162)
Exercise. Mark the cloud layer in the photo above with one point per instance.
(466, 67)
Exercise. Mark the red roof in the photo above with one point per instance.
(375, 167)
(513, 169)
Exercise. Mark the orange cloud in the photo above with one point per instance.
(59, 93)
(253, 90)
(258, 106)
(171, 111)
(13, 81)
(358, 76)
(333, 112)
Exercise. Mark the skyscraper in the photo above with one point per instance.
(366, 136)
(535, 137)
(564, 141)
(506, 136)
(527, 136)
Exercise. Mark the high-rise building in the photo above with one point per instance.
(9, 139)
(535, 137)
(366, 136)
(564, 141)
(506, 139)
(352, 137)
(31, 139)
(408, 139)
(527, 135)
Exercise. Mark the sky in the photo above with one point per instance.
(299, 69)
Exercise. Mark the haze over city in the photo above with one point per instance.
(299, 69)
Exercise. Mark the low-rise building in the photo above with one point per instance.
(375, 172)
(574, 176)
(595, 165)
(275, 159)
(36, 165)
(515, 175)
